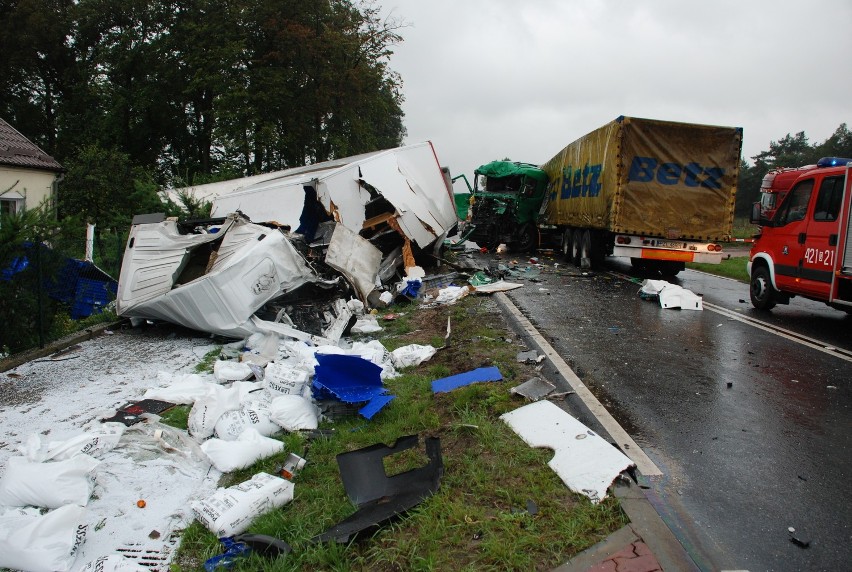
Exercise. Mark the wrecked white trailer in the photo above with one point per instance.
(213, 277)
(401, 191)
(287, 253)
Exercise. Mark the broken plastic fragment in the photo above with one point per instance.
(534, 389)
(446, 384)
(380, 498)
(350, 379)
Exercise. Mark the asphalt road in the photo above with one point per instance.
(749, 423)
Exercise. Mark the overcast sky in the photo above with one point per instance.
(488, 79)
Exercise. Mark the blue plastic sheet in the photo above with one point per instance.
(446, 384)
(351, 379)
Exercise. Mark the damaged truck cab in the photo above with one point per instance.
(504, 205)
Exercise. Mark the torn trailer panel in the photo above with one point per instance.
(212, 278)
(389, 197)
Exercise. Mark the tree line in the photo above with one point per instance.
(789, 151)
(130, 95)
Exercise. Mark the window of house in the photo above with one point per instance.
(10, 206)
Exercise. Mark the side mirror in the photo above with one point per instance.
(757, 217)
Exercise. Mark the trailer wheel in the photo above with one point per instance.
(586, 250)
(763, 295)
(576, 246)
(567, 245)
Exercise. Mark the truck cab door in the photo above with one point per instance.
(821, 237)
(790, 233)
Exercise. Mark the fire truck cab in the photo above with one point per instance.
(804, 247)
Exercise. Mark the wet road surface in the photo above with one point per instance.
(751, 429)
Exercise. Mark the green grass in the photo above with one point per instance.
(731, 268)
(476, 521)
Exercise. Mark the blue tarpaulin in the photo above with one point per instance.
(454, 381)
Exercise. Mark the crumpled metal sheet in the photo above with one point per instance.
(252, 265)
(409, 178)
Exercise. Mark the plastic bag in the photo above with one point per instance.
(242, 452)
(293, 412)
(52, 484)
(230, 511)
(41, 543)
(253, 414)
(412, 354)
(94, 442)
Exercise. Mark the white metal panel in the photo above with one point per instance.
(584, 461)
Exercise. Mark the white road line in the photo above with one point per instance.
(628, 446)
(806, 341)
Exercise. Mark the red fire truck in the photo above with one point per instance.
(805, 247)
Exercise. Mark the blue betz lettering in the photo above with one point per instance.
(647, 169)
(580, 182)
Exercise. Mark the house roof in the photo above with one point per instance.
(18, 151)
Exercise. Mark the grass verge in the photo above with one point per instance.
(478, 518)
(731, 268)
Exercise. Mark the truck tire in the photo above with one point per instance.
(567, 244)
(763, 295)
(576, 246)
(586, 250)
(527, 238)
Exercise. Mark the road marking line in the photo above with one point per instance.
(801, 339)
(628, 446)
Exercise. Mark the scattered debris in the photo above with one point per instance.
(378, 497)
(131, 413)
(530, 357)
(452, 382)
(534, 389)
(292, 465)
(586, 465)
(670, 295)
(499, 286)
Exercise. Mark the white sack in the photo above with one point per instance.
(253, 414)
(294, 412)
(94, 442)
(207, 410)
(52, 484)
(284, 379)
(231, 371)
(230, 511)
(248, 390)
(185, 389)
(249, 447)
(412, 354)
(113, 563)
(41, 543)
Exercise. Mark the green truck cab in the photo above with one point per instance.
(504, 205)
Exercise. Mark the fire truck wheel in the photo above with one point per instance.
(763, 295)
